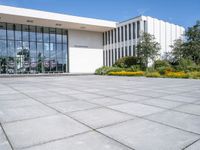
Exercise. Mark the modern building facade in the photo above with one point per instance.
(122, 40)
(33, 41)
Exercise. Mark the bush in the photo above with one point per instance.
(124, 73)
(153, 74)
(163, 70)
(127, 62)
(176, 75)
(105, 70)
(161, 63)
(185, 64)
(194, 75)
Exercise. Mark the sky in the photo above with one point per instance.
(181, 12)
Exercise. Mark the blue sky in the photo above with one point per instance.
(181, 12)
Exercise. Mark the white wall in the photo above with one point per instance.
(164, 32)
(85, 51)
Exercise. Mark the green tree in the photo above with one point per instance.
(192, 45)
(178, 51)
(147, 49)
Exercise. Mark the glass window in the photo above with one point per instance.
(118, 34)
(133, 50)
(18, 47)
(134, 30)
(11, 48)
(145, 26)
(122, 34)
(32, 33)
(52, 35)
(129, 50)
(129, 31)
(58, 35)
(115, 35)
(46, 50)
(10, 31)
(40, 50)
(108, 37)
(3, 50)
(126, 51)
(65, 36)
(115, 54)
(52, 50)
(2, 31)
(39, 34)
(18, 32)
(33, 51)
(112, 36)
(59, 51)
(46, 35)
(25, 33)
(122, 52)
(138, 29)
(125, 32)
(64, 51)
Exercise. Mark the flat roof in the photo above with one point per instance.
(42, 18)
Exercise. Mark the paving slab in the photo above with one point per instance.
(131, 97)
(136, 109)
(146, 135)
(194, 146)
(161, 103)
(190, 108)
(87, 141)
(20, 113)
(180, 98)
(37, 131)
(55, 99)
(101, 117)
(66, 107)
(4, 145)
(107, 101)
(179, 120)
(131, 112)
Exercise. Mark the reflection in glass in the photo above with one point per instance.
(32, 49)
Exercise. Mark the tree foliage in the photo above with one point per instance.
(147, 48)
(190, 48)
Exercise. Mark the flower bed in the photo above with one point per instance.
(176, 75)
(153, 74)
(124, 73)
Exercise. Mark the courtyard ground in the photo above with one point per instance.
(99, 113)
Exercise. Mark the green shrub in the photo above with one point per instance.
(163, 70)
(127, 62)
(194, 75)
(161, 64)
(153, 74)
(185, 65)
(105, 70)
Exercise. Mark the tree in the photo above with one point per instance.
(190, 48)
(192, 45)
(178, 51)
(147, 48)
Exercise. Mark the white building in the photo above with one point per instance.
(51, 42)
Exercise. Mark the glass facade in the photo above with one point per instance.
(32, 49)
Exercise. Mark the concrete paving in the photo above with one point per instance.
(99, 113)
